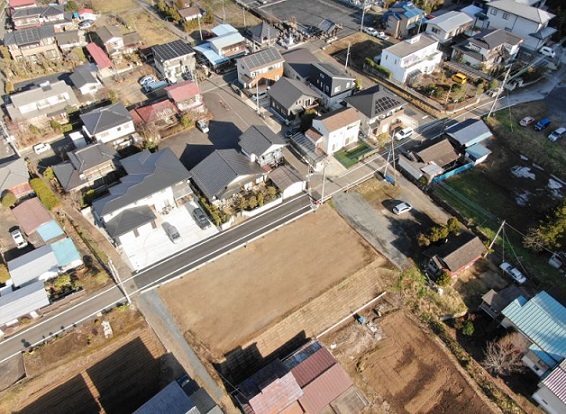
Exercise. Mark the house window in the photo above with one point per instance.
(322, 76)
(493, 11)
(337, 89)
(505, 16)
(435, 30)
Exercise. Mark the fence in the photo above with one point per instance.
(452, 173)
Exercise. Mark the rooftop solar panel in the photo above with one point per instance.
(385, 103)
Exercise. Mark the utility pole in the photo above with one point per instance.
(347, 57)
(323, 182)
(118, 280)
(495, 237)
(363, 17)
(499, 92)
(199, 28)
(257, 96)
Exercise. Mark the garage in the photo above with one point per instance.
(288, 180)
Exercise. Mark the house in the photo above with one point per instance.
(333, 83)
(50, 232)
(476, 153)
(262, 68)
(309, 150)
(530, 23)
(488, 50)
(87, 167)
(262, 35)
(101, 59)
(410, 57)
(223, 173)
(154, 184)
(161, 114)
(288, 180)
(85, 82)
(403, 19)
(178, 4)
(494, 302)
(31, 214)
(448, 25)
(32, 44)
(174, 59)
(290, 98)
(14, 178)
(37, 106)
(190, 13)
(87, 14)
(227, 44)
(454, 256)
(68, 40)
(467, 133)
(432, 160)
(20, 4)
(551, 393)
(110, 39)
(36, 16)
(380, 111)
(67, 255)
(335, 130)
(39, 264)
(21, 302)
(541, 321)
(298, 64)
(261, 145)
(132, 42)
(108, 123)
(186, 96)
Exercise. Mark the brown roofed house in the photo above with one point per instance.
(456, 255)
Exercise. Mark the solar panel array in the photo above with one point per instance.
(172, 50)
(262, 58)
(385, 103)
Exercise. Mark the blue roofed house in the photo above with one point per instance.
(50, 231)
(542, 321)
(403, 19)
(67, 255)
(467, 134)
(227, 44)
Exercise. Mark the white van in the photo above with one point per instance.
(404, 133)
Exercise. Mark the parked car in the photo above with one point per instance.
(460, 78)
(402, 207)
(371, 31)
(41, 147)
(557, 134)
(202, 126)
(526, 121)
(85, 24)
(404, 133)
(547, 51)
(382, 36)
(515, 273)
(147, 79)
(18, 238)
(542, 124)
(154, 85)
(172, 232)
(200, 218)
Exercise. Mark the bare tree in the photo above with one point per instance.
(503, 357)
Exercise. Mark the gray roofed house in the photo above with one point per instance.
(29, 36)
(86, 167)
(39, 264)
(262, 34)
(448, 25)
(108, 123)
(108, 33)
(288, 180)
(441, 153)
(221, 175)
(468, 132)
(290, 98)
(128, 220)
(333, 83)
(22, 302)
(85, 82)
(68, 39)
(298, 64)
(14, 177)
(260, 144)
(147, 174)
(494, 302)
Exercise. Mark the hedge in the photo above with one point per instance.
(386, 73)
(45, 194)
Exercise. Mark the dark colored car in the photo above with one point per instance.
(542, 124)
(200, 218)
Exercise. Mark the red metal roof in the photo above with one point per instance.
(276, 396)
(31, 214)
(183, 90)
(556, 382)
(22, 3)
(100, 57)
(324, 389)
(313, 367)
(294, 408)
(85, 11)
(153, 113)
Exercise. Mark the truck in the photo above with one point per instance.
(153, 86)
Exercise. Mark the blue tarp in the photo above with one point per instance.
(49, 231)
(65, 252)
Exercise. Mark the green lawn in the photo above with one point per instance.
(351, 157)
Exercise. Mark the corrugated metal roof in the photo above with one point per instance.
(324, 389)
(230, 39)
(556, 382)
(543, 321)
(40, 262)
(469, 132)
(66, 253)
(22, 301)
(313, 366)
(49, 231)
(31, 214)
(294, 408)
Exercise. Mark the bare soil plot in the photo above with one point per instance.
(361, 46)
(406, 371)
(229, 301)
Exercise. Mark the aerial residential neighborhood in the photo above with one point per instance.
(279, 206)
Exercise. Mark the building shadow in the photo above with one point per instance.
(71, 397)
(195, 153)
(224, 135)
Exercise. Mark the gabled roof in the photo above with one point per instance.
(226, 40)
(469, 132)
(105, 118)
(22, 301)
(31, 214)
(324, 389)
(69, 37)
(458, 251)
(331, 70)
(147, 174)
(132, 39)
(99, 56)
(44, 91)
(258, 139)
(42, 11)
(49, 231)
(451, 21)
(91, 156)
(189, 12)
(129, 220)
(313, 366)
(542, 320)
(66, 253)
(288, 91)
(261, 59)
(500, 300)
(403, 8)
(215, 173)
(31, 266)
(13, 173)
(21, 3)
(171, 50)
(82, 78)
(28, 36)
(154, 112)
(107, 33)
(440, 153)
(285, 176)
(556, 382)
(182, 91)
(261, 32)
(223, 29)
(522, 10)
(338, 119)
(491, 38)
(375, 101)
(300, 60)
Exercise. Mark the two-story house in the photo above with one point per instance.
(379, 110)
(226, 44)
(448, 25)
(84, 80)
(37, 16)
(110, 39)
(186, 96)
(488, 49)
(333, 131)
(20, 4)
(262, 35)
(530, 23)
(418, 54)
(262, 68)
(261, 145)
(290, 98)
(39, 105)
(298, 64)
(403, 19)
(107, 124)
(174, 59)
(333, 83)
(30, 44)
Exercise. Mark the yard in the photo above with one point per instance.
(361, 46)
(266, 281)
(349, 157)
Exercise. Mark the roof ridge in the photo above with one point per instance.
(224, 159)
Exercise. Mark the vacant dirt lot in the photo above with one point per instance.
(406, 371)
(231, 300)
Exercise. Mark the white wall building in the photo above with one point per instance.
(337, 129)
(444, 27)
(108, 123)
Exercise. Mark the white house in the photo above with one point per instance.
(84, 80)
(261, 145)
(264, 68)
(526, 21)
(39, 264)
(444, 27)
(551, 393)
(107, 124)
(335, 130)
(174, 59)
(418, 54)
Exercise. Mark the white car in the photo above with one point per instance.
(146, 79)
(557, 134)
(515, 273)
(404, 133)
(382, 36)
(371, 31)
(18, 238)
(202, 125)
(547, 51)
(41, 147)
(402, 207)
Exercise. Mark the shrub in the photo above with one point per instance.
(45, 194)
(33, 129)
(56, 126)
(444, 279)
(386, 73)
(66, 128)
(48, 174)
(62, 281)
(9, 199)
(252, 202)
(260, 199)
(468, 329)
(211, 210)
